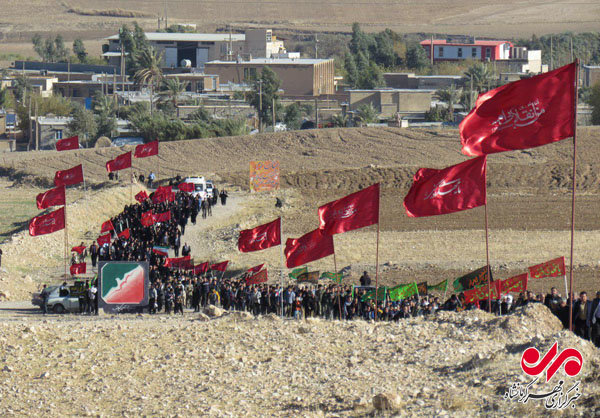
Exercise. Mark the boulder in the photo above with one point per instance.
(387, 402)
(213, 311)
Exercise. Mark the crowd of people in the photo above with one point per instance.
(172, 290)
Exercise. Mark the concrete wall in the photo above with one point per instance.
(390, 102)
(591, 75)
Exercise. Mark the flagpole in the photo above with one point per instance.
(445, 290)
(487, 255)
(282, 265)
(377, 259)
(84, 187)
(574, 187)
(66, 238)
(335, 270)
(131, 183)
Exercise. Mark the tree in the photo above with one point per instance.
(5, 99)
(594, 101)
(366, 113)
(83, 125)
(105, 111)
(451, 96)
(268, 83)
(482, 77)
(370, 78)
(416, 57)
(293, 116)
(79, 51)
(173, 88)
(149, 72)
(360, 42)
(50, 50)
(133, 42)
(351, 70)
(339, 121)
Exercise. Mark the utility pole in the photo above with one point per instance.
(431, 50)
(571, 48)
(316, 46)
(551, 53)
(166, 16)
(37, 128)
(274, 118)
(30, 125)
(316, 113)
(260, 106)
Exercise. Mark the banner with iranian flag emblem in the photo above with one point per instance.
(123, 285)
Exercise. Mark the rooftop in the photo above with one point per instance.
(275, 61)
(476, 43)
(188, 37)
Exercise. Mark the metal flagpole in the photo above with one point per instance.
(282, 265)
(339, 284)
(84, 187)
(445, 290)
(487, 255)
(377, 264)
(66, 238)
(131, 174)
(576, 86)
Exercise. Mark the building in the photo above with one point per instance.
(197, 82)
(299, 77)
(192, 50)
(49, 129)
(425, 82)
(467, 48)
(590, 75)
(391, 103)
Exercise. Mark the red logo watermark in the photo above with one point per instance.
(533, 366)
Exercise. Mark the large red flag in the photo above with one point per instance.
(309, 247)
(141, 196)
(552, 268)
(354, 211)
(122, 162)
(46, 224)
(53, 197)
(124, 234)
(259, 277)
(162, 194)
(146, 150)
(67, 144)
(186, 187)
(256, 269)
(147, 218)
(452, 189)
(514, 284)
(79, 249)
(523, 114)
(261, 237)
(219, 266)
(103, 239)
(483, 292)
(162, 217)
(201, 268)
(106, 226)
(77, 269)
(181, 262)
(69, 177)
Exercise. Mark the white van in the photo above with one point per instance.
(202, 187)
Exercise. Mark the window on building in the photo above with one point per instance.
(459, 53)
(441, 52)
(249, 73)
(473, 52)
(488, 52)
(58, 134)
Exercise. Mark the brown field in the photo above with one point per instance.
(511, 18)
(529, 200)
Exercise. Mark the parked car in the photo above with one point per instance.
(202, 187)
(57, 303)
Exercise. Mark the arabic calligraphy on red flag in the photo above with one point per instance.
(354, 211)
(309, 247)
(259, 277)
(515, 284)
(46, 224)
(552, 268)
(260, 237)
(481, 293)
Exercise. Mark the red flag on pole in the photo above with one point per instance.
(146, 150)
(483, 292)
(122, 162)
(162, 217)
(162, 194)
(107, 226)
(523, 114)
(309, 247)
(515, 284)
(219, 266)
(68, 144)
(354, 211)
(256, 269)
(79, 249)
(452, 189)
(53, 197)
(552, 268)
(261, 237)
(78, 269)
(186, 187)
(201, 268)
(46, 224)
(259, 277)
(147, 218)
(141, 196)
(69, 177)
(124, 234)
(180, 262)
(103, 239)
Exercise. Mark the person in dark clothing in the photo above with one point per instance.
(223, 197)
(552, 300)
(365, 280)
(94, 253)
(203, 207)
(44, 294)
(582, 316)
(0, 257)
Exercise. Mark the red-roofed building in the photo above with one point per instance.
(467, 48)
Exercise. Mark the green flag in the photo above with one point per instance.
(403, 291)
(370, 295)
(297, 272)
(440, 287)
(332, 276)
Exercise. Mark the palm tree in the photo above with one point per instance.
(149, 73)
(451, 96)
(366, 113)
(481, 75)
(339, 121)
(173, 88)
